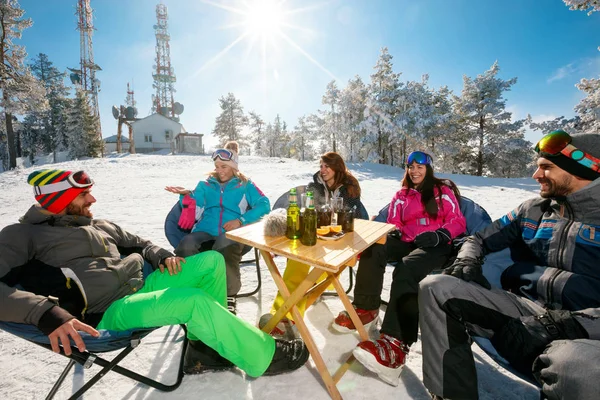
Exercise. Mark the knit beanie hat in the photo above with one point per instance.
(586, 142)
(233, 147)
(53, 189)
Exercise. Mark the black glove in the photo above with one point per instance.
(436, 238)
(521, 340)
(468, 269)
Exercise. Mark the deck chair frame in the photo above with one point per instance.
(89, 358)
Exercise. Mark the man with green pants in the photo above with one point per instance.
(65, 272)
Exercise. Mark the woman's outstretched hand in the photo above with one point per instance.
(177, 190)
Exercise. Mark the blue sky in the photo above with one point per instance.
(545, 45)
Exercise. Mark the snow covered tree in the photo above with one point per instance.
(302, 139)
(482, 115)
(583, 5)
(332, 115)
(52, 136)
(589, 107)
(256, 125)
(352, 114)
(513, 158)
(82, 128)
(231, 121)
(381, 128)
(20, 91)
(571, 125)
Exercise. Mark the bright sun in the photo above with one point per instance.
(264, 23)
(264, 18)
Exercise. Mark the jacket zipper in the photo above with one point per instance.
(560, 251)
(221, 213)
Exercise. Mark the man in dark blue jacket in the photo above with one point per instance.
(547, 320)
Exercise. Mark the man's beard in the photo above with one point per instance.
(555, 188)
(82, 211)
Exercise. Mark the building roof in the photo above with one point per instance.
(154, 116)
(113, 139)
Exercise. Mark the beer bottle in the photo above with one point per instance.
(309, 236)
(293, 217)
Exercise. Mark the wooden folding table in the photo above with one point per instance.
(331, 257)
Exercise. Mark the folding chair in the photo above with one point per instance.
(174, 235)
(108, 341)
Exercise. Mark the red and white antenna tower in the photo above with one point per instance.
(130, 100)
(164, 77)
(85, 76)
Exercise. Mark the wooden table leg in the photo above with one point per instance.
(302, 328)
(357, 323)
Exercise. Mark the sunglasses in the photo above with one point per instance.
(222, 154)
(559, 142)
(78, 179)
(418, 157)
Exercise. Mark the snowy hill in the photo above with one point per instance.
(129, 191)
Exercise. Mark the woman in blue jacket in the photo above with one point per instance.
(223, 202)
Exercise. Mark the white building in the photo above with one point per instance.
(155, 132)
(189, 143)
(110, 144)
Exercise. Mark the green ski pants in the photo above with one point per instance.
(196, 296)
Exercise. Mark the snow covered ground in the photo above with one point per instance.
(129, 190)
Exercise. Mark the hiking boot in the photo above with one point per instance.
(285, 329)
(344, 324)
(385, 356)
(200, 358)
(231, 305)
(289, 356)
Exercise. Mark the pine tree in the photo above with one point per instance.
(332, 115)
(256, 125)
(482, 115)
(301, 139)
(583, 5)
(21, 92)
(82, 128)
(52, 136)
(513, 158)
(572, 125)
(230, 122)
(352, 114)
(380, 124)
(589, 107)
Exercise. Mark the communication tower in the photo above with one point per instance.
(130, 100)
(164, 77)
(85, 76)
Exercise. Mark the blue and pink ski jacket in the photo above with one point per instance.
(218, 203)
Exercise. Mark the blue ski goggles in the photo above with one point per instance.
(418, 157)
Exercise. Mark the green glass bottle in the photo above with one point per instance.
(293, 217)
(309, 236)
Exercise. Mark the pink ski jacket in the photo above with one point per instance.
(409, 215)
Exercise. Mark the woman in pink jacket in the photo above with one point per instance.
(427, 216)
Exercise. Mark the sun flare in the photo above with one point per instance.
(265, 26)
(264, 18)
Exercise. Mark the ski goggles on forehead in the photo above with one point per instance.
(559, 142)
(78, 180)
(419, 157)
(222, 154)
